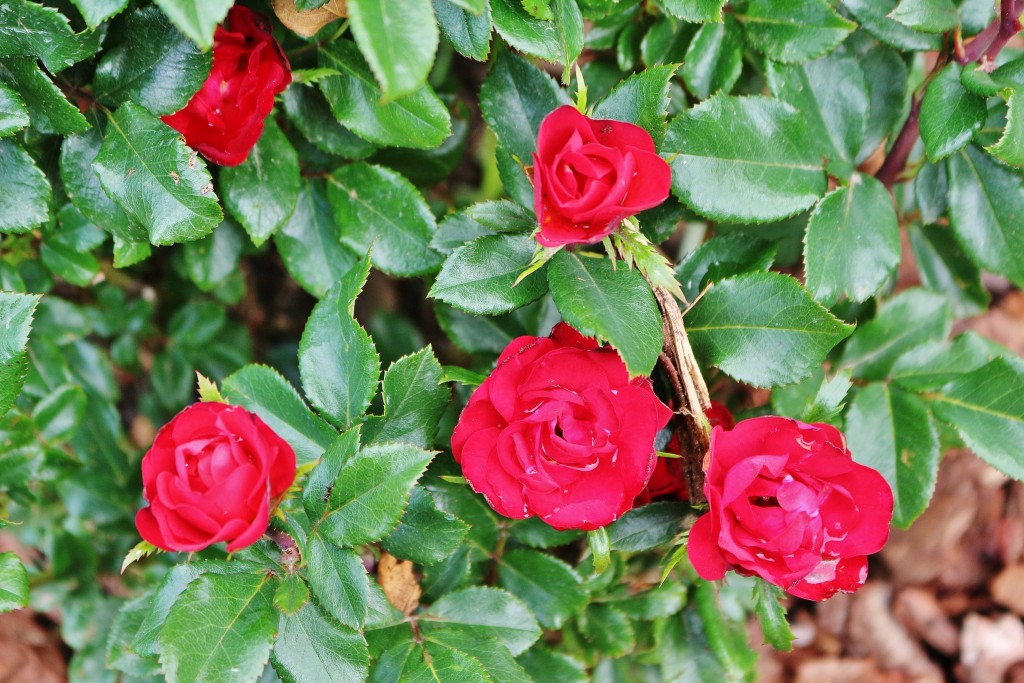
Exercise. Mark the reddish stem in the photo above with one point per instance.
(896, 160)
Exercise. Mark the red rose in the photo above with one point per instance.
(560, 431)
(667, 479)
(590, 174)
(225, 118)
(211, 476)
(789, 504)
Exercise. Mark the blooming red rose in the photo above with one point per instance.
(211, 476)
(789, 504)
(667, 479)
(224, 119)
(589, 174)
(560, 431)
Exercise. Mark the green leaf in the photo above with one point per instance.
(419, 120)
(891, 431)
(885, 75)
(472, 6)
(932, 365)
(526, 33)
(371, 493)
(548, 586)
(13, 112)
(911, 318)
(491, 654)
(873, 17)
(986, 406)
(49, 110)
(483, 218)
(408, 662)
(610, 302)
(156, 66)
(945, 269)
(714, 59)
(310, 242)
(77, 154)
(696, 11)
(263, 190)
(720, 257)
(763, 329)
(556, 666)
(569, 24)
(30, 29)
(310, 113)
(485, 612)
(853, 242)
(600, 546)
(313, 648)
(744, 159)
(772, 616)
(647, 527)
(426, 535)
(231, 642)
(832, 96)
(146, 168)
(469, 33)
(986, 202)
(13, 583)
(929, 16)
(95, 12)
(514, 98)
(317, 490)
(24, 203)
(57, 416)
(291, 594)
(642, 99)
(197, 19)
(376, 207)
(480, 277)
(338, 580)
(725, 632)
(1010, 147)
(414, 400)
(211, 260)
(950, 115)
(398, 41)
(264, 392)
(533, 532)
(794, 31)
(608, 629)
(337, 360)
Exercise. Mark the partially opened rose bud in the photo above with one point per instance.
(590, 174)
(560, 431)
(667, 479)
(212, 474)
(224, 119)
(789, 504)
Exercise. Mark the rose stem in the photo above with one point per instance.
(690, 393)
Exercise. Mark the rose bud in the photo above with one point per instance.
(789, 504)
(212, 475)
(224, 119)
(560, 431)
(590, 174)
(667, 479)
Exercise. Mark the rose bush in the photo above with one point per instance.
(212, 475)
(224, 119)
(590, 174)
(560, 431)
(789, 504)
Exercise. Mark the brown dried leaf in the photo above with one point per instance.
(989, 647)
(307, 24)
(399, 583)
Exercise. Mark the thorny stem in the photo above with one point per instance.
(689, 392)
(986, 45)
(289, 550)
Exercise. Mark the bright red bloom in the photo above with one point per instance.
(560, 431)
(224, 119)
(211, 476)
(590, 174)
(789, 504)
